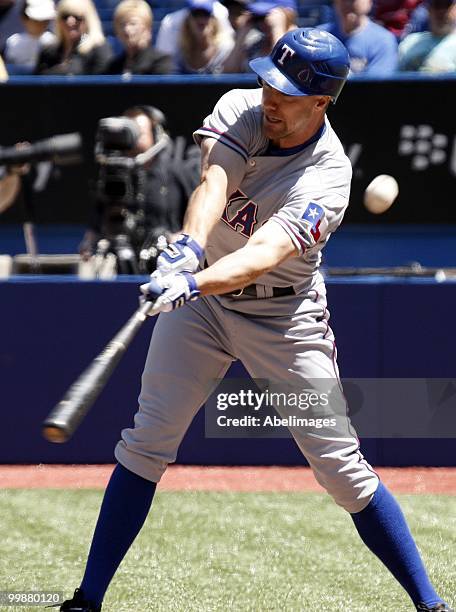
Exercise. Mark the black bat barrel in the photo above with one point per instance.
(64, 419)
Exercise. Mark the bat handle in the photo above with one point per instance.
(144, 309)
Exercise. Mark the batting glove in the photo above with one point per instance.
(180, 256)
(171, 292)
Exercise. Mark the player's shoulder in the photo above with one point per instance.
(329, 170)
(332, 148)
(235, 121)
(240, 110)
(242, 100)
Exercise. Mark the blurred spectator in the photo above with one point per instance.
(257, 31)
(203, 46)
(372, 49)
(394, 15)
(171, 25)
(80, 47)
(10, 20)
(133, 27)
(237, 12)
(23, 48)
(435, 50)
(3, 71)
(418, 22)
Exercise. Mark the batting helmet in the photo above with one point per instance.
(305, 62)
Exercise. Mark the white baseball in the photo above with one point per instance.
(380, 194)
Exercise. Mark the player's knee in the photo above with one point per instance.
(348, 478)
(354, 497)
(145, 463)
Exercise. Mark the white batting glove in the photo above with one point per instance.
(183, 255)
(171, 292)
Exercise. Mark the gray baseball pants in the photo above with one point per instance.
(193, 346)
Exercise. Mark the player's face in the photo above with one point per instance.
(291, 120)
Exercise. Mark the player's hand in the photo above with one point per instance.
(180, 256)
(170, 292)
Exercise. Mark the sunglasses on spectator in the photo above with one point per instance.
(65, 16)
(200, 13)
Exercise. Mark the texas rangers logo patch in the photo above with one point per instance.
(313, 215)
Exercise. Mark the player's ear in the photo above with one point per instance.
(322, 102)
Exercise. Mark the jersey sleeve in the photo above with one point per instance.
(309, 220)
(231, 123)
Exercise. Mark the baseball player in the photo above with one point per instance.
(242, 282)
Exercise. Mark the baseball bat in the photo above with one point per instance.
(63, 420)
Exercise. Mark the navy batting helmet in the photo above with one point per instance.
(305, 62)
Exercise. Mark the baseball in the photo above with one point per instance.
(380, 194)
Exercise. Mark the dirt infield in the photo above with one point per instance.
(195, 478)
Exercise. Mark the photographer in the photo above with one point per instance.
(18, 160)
(142, 188)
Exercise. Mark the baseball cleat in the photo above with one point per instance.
(440, 607)
(78, 604)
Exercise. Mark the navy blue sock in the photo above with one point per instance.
(125, 506)
(383, 529)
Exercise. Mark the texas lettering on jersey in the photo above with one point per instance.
(240, 213)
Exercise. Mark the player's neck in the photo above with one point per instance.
(297, 139)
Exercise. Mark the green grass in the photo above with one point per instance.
(220, 552)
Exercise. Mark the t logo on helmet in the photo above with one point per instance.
(287, 52)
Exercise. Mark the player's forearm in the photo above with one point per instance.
(206, 206)
(230, 273)
(244, 266)
(234, 271)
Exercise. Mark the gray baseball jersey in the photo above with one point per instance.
(305, 189)
(285, 339)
